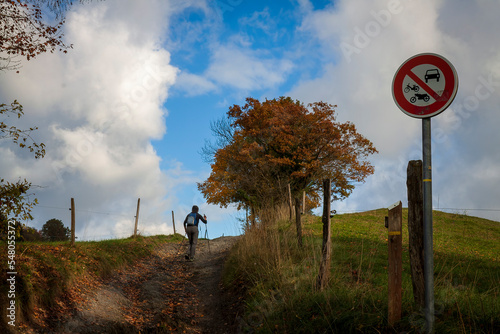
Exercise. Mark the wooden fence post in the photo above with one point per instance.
(73, 223)
(326, 250)
(173, 221)
(290, 201)
(416, 229)
(137, 217)
(298, 222)
(395, 263)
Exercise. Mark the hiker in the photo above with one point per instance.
(191, 228)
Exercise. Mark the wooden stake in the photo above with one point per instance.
(326, 251)
(73, 223)
(395, 262)
(290, 201)
(173, 221)
(298, 222)
(416, 230)
(137, 217)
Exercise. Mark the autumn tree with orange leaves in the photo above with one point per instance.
(279, 142)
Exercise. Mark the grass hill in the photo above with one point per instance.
(280, 278)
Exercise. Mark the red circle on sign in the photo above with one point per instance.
(442, 101)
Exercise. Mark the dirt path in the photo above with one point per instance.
(162, 294)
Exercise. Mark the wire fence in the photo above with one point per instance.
(87, 230)
(94, 225)
(451, 210)
(458, 210)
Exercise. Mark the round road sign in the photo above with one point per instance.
(424, 85)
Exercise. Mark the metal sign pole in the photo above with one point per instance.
(428, 249)
(436, 81)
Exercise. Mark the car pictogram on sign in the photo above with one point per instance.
(432, 74)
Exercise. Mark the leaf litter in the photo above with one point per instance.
(160, 294)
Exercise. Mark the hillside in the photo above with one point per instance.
(280, 277)
(121, 286)
(144, 284)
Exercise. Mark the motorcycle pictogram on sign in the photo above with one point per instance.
(424, 97)
(415, 88)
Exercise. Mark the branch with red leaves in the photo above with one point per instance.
(24, 33)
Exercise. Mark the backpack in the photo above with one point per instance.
(191, 219)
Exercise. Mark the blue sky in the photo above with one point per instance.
(272, 38)
(125, 113)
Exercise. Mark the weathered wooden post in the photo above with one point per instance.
(290, 201)
(416, 230)
(173, 221)
(395, 262)
(326, 250)
(298, 222)
(137, 217)
(73, 223)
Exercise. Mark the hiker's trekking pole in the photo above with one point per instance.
(206, 237)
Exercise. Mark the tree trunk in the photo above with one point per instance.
(324, 268)
(303, 203)
(416, 229)
(252, 216)
(298, 221)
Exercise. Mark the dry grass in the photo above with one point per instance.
(281, 277)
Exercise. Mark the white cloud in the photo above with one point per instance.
(193, 84)
(237, 66)
(369, 40)
(246, 69)
(98, 109)
(261, 21)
